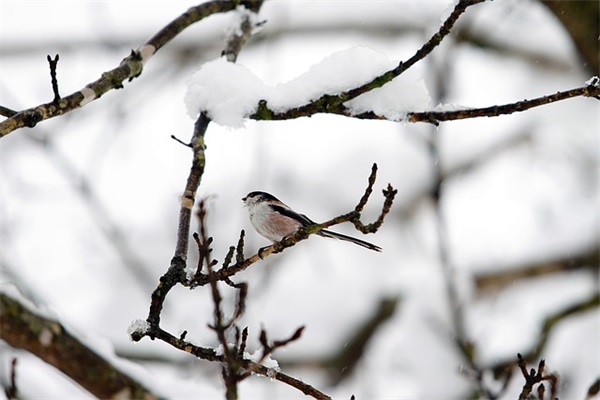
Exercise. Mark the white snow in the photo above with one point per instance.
(593, 81)
(138, 326)
(227, 91)
(266, 362)
(230, 92)
(240, 14)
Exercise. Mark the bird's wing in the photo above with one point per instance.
(303, 219)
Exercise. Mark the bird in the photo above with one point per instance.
(275, 220)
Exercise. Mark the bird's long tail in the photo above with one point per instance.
(359, 242)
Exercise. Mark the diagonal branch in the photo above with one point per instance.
(131, 67)
(210, 355)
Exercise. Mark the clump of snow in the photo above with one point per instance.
(230, 92)
(240, 14)
(593, 81)
(267, 362)
(395, 99)
(138, 327)
(450, 107)
(341, 71)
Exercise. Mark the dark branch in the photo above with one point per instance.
(496, 280)
(53, 63)
(210, 355)
(131, 67)
(594, 389)
(7, 112)
(175, 138)
(550, 322)
(11, 390)
(534, 377)
(435, 117)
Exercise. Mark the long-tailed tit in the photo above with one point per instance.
(274, 220)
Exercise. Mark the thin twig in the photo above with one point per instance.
(534, 377)
(435, 117)
(53, 64)
(269, 348)
(11, 390)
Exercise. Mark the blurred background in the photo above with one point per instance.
(495, 228)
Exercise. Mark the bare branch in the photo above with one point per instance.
(131, 67)
(11, 391)
(210, 355)
(594, 389)
(7, 112)
(534, 377)
(550, 322)
(435, 117)
(53, 63)
(491, 281)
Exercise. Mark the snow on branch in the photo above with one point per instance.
(230, 93)
(359, 82)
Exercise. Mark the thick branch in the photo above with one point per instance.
(48, 340)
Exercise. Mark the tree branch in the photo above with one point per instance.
(534, 377)
(131, 67)
(491, 281)
(22, 328)
(176, 272)
(585, 305)
(435, 117)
